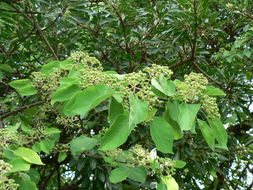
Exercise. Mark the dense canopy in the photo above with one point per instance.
(126, 94)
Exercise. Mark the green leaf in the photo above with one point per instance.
(213, 91)
(138, 174)
(27, 91)
(207, 133)
(48, 68)
(26, 128)
(62, 156)
(117, 134)
(118, 175)
(165, 86)
(24, 87)
(187, 115)
(81, 144)
(34, 175)
(219, 132)
(161, 186)
(28, 155)
(162, 135)
(115, 109)
(179, 164)
(138, 111)
(52, 130)
(67, 81)
(63, 94)
(86, 100)
(7, 68)
(151, 114)
(170, 182)
(25, 185)
(66, 64)
(178, 134)
(18, 84)
(46, 145)
(19, 164)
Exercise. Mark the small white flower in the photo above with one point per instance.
(153, 154)
(91, 177)
(92, 132)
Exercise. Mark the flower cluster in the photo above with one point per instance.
(209, 105)
(191, 90)
(138, 156)
(5, 182)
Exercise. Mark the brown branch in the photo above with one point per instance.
(189, 60)
(121, 23)
(20, 109)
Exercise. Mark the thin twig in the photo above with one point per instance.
(56, 19)
(14, 11)
(32, 20)
(207, 76)
(20, 109)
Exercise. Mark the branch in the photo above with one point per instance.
(56, 19)
(14, 11)
(190, 59)
(121, 23)
(207, 76)
(20, 109)
(32, 20)
(23, 40)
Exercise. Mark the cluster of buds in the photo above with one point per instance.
(191, 90)
(138, 156)
(5, 182)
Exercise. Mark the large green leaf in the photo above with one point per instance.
(213, 91)
(118, 174)
(117, 134)
(187, 116)
(67, 81)
(219, 132)
(81, 144)
(86, 100)
(20, 83)
(162, 135)
(65, 93)
(49, 67)
(115, 109)
(6, 68)
(28, 155)
(19, 164)
(178, 134)
(25, 185)
(164, 85)
(161, 186)
(52, 130)
(138, 174)
(179, 164)
(170, 182)
(207, 133)
(138, 111)
(24, 87)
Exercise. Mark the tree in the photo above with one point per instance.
(126, 94)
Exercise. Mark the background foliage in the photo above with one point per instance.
(202, 36)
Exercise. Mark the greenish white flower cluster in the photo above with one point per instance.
(192, 89)
(5, 182)
(138, 156)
